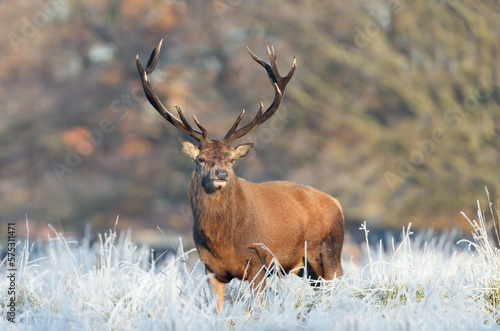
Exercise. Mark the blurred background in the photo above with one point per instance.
(393, 109)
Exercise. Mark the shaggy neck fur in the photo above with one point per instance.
(215, 212)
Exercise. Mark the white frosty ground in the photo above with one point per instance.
(414, 285)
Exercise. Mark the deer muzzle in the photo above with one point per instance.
(221, 174)
(219, 178)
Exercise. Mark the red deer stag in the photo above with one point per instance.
(232, 215)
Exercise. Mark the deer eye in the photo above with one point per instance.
(201, 160)
(232, 161)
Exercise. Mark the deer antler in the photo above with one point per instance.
(279, 83)
(181, 124)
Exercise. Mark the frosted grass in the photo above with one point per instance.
(420, 283)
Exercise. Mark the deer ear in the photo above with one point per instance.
(189, 149)
(242, 150)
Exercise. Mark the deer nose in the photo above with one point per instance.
(221, 174)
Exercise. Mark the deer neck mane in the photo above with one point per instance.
(216, 213)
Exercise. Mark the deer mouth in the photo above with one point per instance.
(219, 183)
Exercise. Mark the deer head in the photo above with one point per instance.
(214, 162)
(214, 159)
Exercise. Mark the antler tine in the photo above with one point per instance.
(279, 84)
(184, 120)
(272, 55)
(203, 130)
(259, 113)
(153, 58)
(181, 124)
(234, 126)
(256, 58)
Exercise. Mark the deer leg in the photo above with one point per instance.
(326, 260)
(256, 275)
(331, 267)
(257, 285)
(333, 249)
(218, 290)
